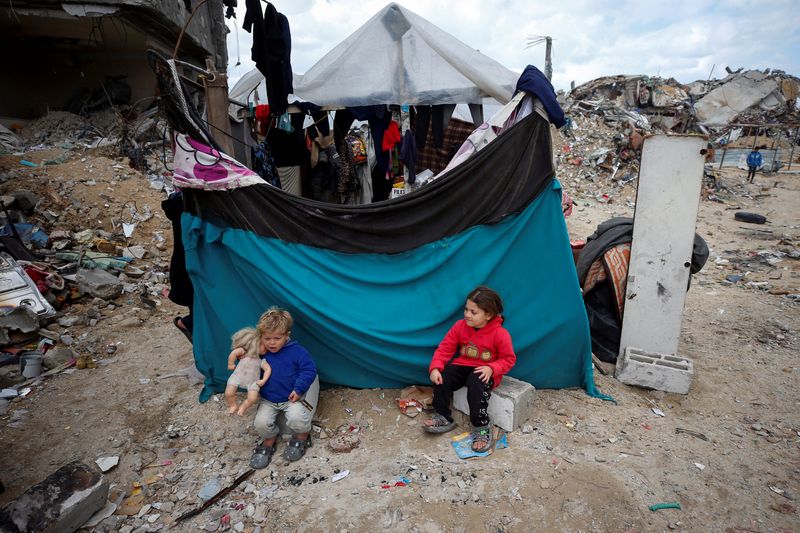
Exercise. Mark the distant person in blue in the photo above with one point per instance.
(293, 372)
(754, 161)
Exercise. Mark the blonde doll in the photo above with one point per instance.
(245, 348)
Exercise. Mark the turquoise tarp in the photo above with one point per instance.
(373, 320)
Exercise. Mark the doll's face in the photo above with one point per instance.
(273, 341)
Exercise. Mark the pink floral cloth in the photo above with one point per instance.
(198, 166)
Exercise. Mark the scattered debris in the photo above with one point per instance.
(344, 442)
(340, 475)
(213, 499)
(660, 506)
(695, 434)
(107, 463)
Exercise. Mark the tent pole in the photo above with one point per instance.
(405, 124)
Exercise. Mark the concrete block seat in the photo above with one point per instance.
(510, 405)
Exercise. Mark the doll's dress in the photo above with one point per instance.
(247, 372)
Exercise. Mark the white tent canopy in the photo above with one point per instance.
(397, 57)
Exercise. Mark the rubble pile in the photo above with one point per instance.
(653, 103)
(84, 242)
(130, 132)
(747, 97)
(646, 102)
(599, 153)
(596, 161)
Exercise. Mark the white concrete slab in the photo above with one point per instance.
(663, 236)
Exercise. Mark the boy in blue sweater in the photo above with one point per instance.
(293, 372)
(754, 160)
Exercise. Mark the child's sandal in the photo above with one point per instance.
(262, 456)
(438, 424)
(481, 439)
(296, 449)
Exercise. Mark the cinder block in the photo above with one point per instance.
(670, 373)
(510, 405)
(64, 501)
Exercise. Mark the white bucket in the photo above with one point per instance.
(30, 364)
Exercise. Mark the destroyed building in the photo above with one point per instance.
(74, 56)
(611, 115)
(764, 98)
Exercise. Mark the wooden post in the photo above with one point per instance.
(548, 63)
(217, 106)
(773, 150)
(725, 149)
(791, 152)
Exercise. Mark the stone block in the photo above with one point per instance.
(669, 373)
(510, 405)
(58, 356)
(22, 318)
(98, 283)
(64, 501)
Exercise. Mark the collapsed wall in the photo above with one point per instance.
(78, 57)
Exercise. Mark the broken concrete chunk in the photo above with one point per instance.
(58, 356)
(25, 200)
(98, 283)
(134, 252)
(62, 502)
(22, 318)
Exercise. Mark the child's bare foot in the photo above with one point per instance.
(232, 409)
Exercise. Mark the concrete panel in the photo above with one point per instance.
(663, 235)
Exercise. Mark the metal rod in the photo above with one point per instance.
(183, 30)
(774, 153)
(725, 149)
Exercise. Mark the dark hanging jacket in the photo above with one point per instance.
(272, 50)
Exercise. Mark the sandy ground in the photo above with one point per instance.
(582, 465)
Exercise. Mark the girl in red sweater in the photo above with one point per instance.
(476, 353)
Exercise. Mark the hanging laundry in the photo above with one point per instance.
(264, 165)
(534, 81)
(272, 49)
(391, 136)
(357, 147)
(262, 119)
(440, 119)
(408, 154)
(423, 120)
(347, 182)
